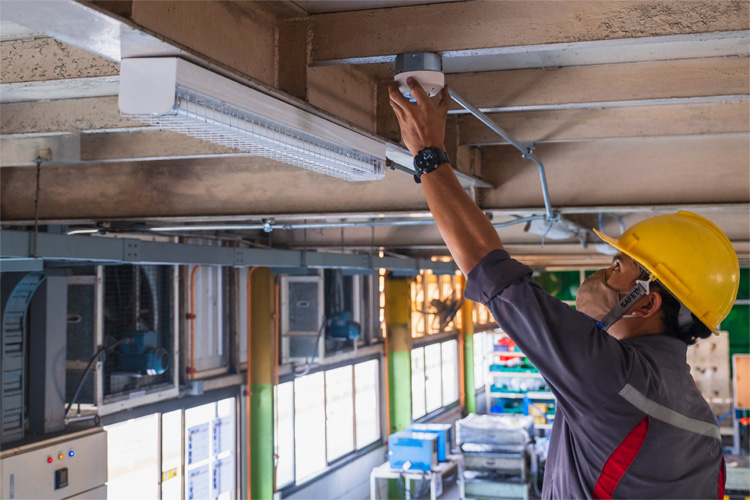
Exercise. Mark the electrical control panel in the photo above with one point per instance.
(64, 468)
(301, 321)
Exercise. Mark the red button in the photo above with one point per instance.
(49, 460)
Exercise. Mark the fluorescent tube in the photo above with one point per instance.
(179, 96)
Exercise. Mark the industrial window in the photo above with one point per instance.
(210, 456)
(339, 412)
(367, 399)
(284, 433)
(417, 383)
(435, 300)
(308, 435)
(449, 355)
(434, 377)
(133, 458)
(171, 455)
(309, 426)
(198, 454)
(481, 315)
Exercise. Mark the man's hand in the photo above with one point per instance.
(467, 232)
(422, 123)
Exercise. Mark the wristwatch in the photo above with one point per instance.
(428, 160)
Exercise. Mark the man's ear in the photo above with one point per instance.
(648, 305)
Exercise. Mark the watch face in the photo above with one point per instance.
(428, 154)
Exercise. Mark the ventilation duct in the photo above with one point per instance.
(179, 96)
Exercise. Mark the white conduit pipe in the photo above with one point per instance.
(526, 152)
(324, 225)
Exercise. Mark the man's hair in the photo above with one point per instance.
(670, 307)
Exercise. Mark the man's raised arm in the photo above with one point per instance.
(465, 229)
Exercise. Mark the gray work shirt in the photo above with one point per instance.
(630, 422)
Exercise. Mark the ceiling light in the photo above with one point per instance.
(179, 96)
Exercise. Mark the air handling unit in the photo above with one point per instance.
(179, 96)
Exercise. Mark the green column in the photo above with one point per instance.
(467, 334)
(398, 358)
(397, 316)
(261, 385)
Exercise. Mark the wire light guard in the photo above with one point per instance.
(179, 96)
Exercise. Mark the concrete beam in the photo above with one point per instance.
(588, 124)
(347, 92)
(678, 170)
(239, 35)
(199, 187)
(488, 24)
(45, 59)
(293, 57)
(96, 113)
(72, 88)
(717, 76)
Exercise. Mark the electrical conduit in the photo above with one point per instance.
(248, 394)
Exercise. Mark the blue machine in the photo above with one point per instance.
(419, 449)
(142, 354)
(342, 326)
(444, 433)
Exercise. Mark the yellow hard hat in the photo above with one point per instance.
(691, 257)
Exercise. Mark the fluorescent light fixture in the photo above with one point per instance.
(179, 96)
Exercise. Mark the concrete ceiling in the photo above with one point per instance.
(635, 108)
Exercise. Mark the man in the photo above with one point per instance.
(630, 422)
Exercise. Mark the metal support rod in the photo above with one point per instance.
(526, 152)
(545, 190)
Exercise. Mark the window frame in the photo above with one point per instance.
(170, 405)
(422, 342)
(358, 452)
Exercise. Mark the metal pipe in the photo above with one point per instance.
(522, 220)
(543, 178)
(330, 225)
(607, 209)
(487, 121)
(271, 227)
(248, 381)
(526, 152)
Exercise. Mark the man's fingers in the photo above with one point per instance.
(396, 97)
(445, 99)
(400, 113)
(417, 92)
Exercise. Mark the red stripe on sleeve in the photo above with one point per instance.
(722, 478)
(620, 460)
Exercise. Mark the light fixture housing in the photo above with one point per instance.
(176, 95)
(425, 67)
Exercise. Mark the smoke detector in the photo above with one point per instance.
(425, 67)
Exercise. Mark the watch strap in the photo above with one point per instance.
(427, 160)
